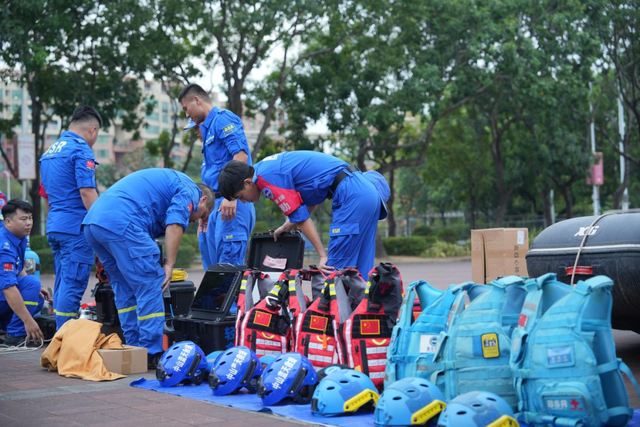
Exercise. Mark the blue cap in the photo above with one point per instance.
(191, 125)
(382, 186)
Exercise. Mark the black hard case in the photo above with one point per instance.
(612, 249)
(289, 246)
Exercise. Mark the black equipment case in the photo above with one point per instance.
(612, 248)
(212, 317)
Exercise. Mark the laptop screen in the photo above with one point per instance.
(213, 296)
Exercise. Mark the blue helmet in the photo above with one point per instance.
(409, 401)
(236, 368)
(211, 359)
(289, 377)
(184, 363)
(344, 391)
(477, 409)
(268, 358)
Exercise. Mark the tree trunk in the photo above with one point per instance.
(36, 111)
(568, 200)
(391, 218)
(234, 98)
(546, 206)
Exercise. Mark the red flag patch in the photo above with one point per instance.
(370, 327)
(90, 164)
(262, 318)
(8, 266)
(190, 205)
(318, 323)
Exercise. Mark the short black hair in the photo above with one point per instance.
(9, 210)
(192, 90)
(207, 191)
(232, 176)
(84, 113)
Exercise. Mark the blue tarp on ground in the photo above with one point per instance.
(251, 402)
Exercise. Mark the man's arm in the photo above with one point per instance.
(172, 237)
(227, 208)
(309, 230)
(89, 195)
(16, 302)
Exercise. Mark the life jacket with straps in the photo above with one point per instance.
(316, 334)
(563, 356)
(297, 302)
(265, 328)
(366, 334)
(476, 347)
(414, 339)
(251, 279)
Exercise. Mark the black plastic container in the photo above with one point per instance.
(47, 324)
(209, 335)
(290, 246)
(612, 248)
(179, 300)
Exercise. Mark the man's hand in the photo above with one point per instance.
(44, 294)
(279, 231)
(322, 266)
(227, 209)
(168, 272)
(33, 332)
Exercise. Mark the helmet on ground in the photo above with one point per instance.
(234, 369)
(268, 358)
(477, 409)
(211, 359)
(344, 391)
(184, 363)
(289, 377)
(410, 401)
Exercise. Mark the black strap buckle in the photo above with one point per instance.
(342, 175)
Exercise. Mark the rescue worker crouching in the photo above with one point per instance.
(22, 295)
(122, 226)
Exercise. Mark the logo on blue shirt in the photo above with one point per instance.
(267, 192)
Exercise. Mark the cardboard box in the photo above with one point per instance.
(498, 252)
(128, 360)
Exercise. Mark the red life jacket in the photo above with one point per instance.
(366, 334)
(251, 279)
(298, 302)
(265, 328)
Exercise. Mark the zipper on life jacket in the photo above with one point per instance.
(365, 361)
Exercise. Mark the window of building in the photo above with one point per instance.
(17, 95)
(253, 125)
(153, 116)
(103, 154)
(153, 129)
(274, 128)
(103, 139)
(15, 108)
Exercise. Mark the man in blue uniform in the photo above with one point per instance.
(298, 182)
(223, 139)
(21, 295)
(122, 226)
(68, 177)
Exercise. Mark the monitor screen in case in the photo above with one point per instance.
(217, 293)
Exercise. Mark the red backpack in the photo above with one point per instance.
(366, 334)
(251, 279)
(297, 300)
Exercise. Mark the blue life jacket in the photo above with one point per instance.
(413, 341)
(563, 356)
(474, 353)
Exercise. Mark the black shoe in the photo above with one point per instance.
(12, 341)
(153, 360)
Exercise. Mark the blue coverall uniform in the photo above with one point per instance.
(68, 165)
(12, 252)
(225, 241)
(121, 227)
(297, 179)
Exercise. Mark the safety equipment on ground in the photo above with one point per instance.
(265, 328)
(563, 356)
(344, 391)
(251, 279)
(477, 409)
(410, 401)
(183, 363)
(290, 377)
(236, 368)
(268, 358)
(297, 301)
(476, 347)
(414, 338)
(367, 332)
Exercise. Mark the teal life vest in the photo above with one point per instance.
(563, 357)
(474, 353)
(414, 339)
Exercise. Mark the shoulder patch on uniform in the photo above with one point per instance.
(229, 129)
(190, 207)
(91, 164)
(8, 266)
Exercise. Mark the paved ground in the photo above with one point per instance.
(31, 396)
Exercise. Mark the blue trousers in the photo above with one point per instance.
(29, 287)
(352, 234)
(72, 260)
(226, 241)
(132, 264)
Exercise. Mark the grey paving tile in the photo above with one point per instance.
(89, 418)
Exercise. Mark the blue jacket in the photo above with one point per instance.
(12, 252)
